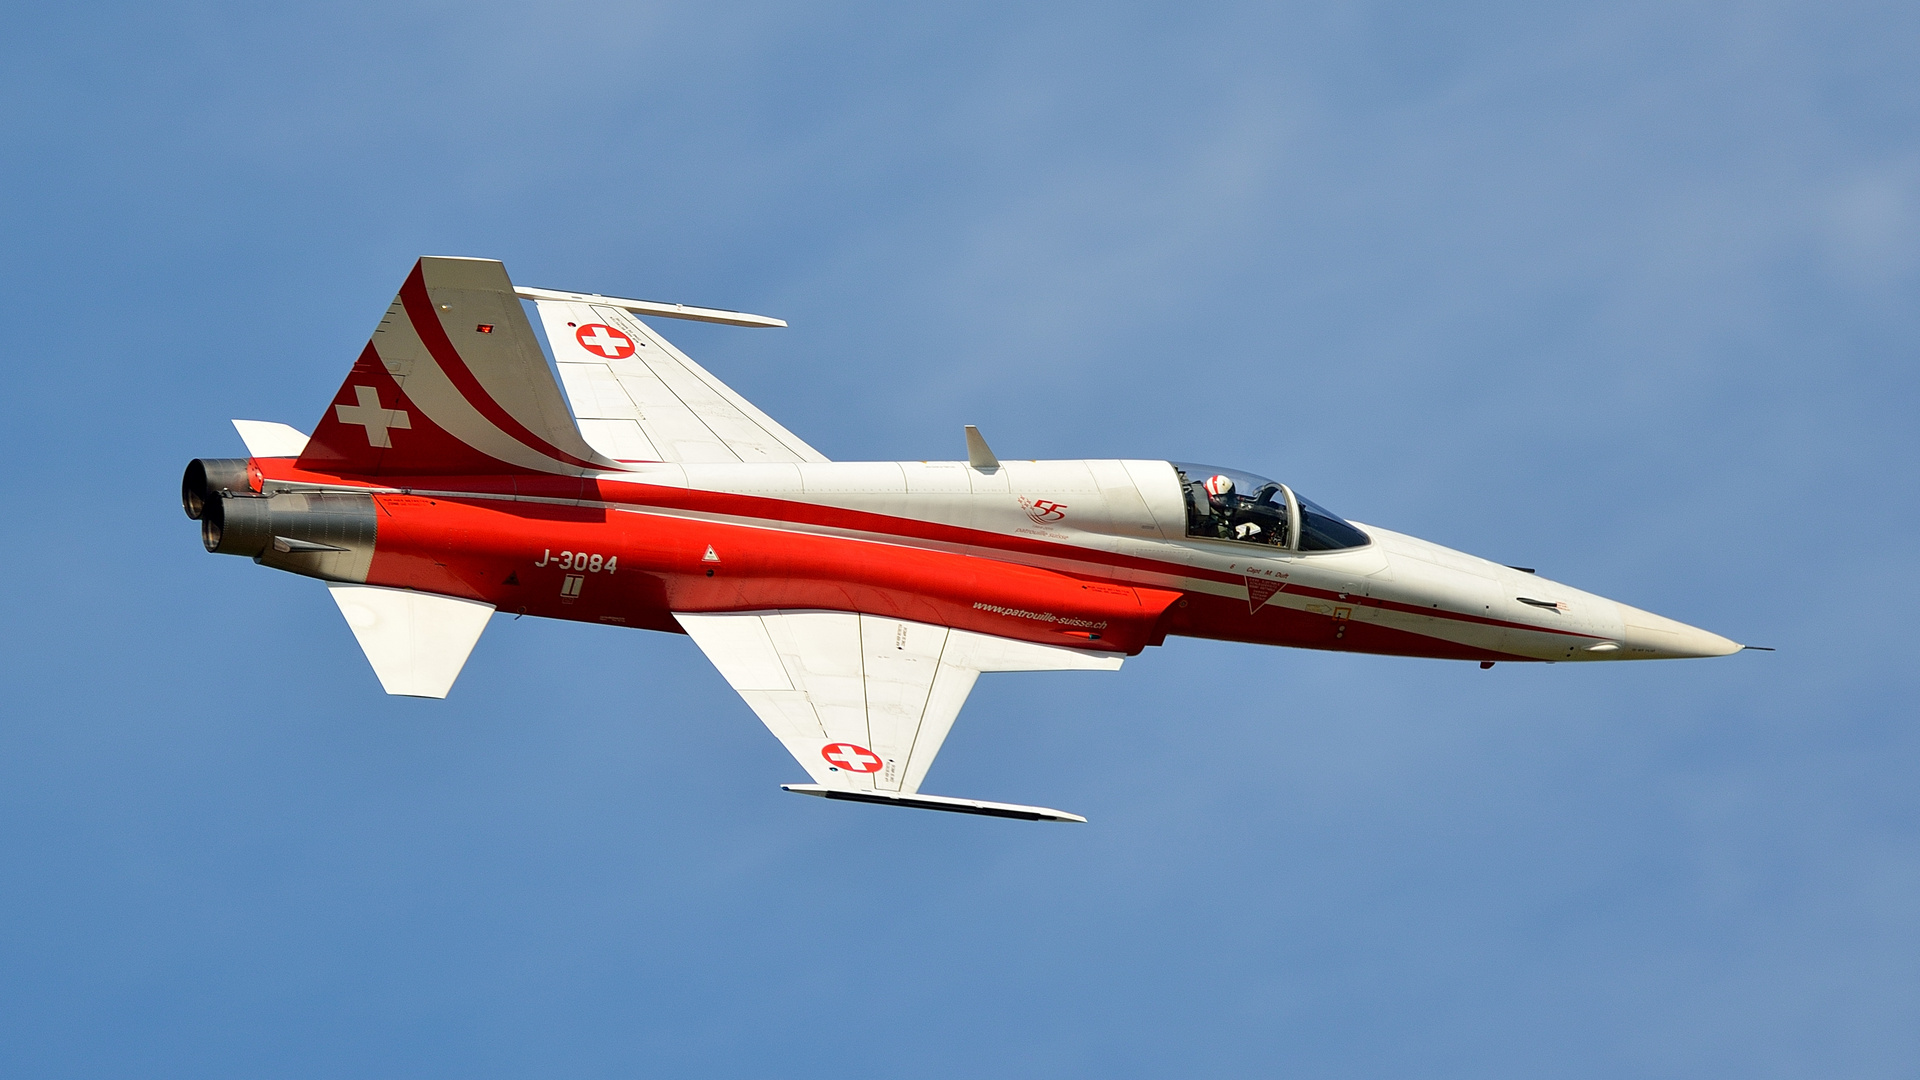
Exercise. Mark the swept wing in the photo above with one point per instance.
(864, 702)
(637, 398)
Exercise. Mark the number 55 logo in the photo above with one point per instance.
(1043, 511)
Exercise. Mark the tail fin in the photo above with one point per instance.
(453, 382)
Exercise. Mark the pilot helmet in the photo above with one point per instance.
(1219, 487)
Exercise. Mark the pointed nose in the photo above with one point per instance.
(1654, 637)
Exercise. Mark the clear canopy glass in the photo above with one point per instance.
(1230, 504)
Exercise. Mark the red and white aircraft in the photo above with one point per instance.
(852, 604)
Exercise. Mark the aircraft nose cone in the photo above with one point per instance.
(1655, 637)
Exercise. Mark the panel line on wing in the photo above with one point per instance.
(926, 704)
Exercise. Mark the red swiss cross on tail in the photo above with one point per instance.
(604, 341)
(846, 755)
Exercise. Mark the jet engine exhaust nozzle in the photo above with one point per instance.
(236, 524)
(207, 478)
(328, 535)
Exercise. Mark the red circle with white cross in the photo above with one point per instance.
(604, 341)
(846, 755)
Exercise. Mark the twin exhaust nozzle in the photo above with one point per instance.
(207, 489)
(302, 532)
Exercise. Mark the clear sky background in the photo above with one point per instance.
(1625, 292)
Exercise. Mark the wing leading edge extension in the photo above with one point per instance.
(864, 702)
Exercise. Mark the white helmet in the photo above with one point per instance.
(1219, 486)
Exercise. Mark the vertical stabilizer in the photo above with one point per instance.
(452, 382)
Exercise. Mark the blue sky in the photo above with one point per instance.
(1625, 292)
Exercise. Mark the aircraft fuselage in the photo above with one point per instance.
(1094, 555)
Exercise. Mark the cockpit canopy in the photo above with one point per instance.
(1228, 504)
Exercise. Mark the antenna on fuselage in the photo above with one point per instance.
(979, 454)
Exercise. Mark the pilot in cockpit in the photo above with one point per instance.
(1221, 499)
(1257, 519)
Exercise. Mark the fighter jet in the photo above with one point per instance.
(852, 604)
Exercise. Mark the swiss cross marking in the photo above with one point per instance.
(368, 414)
(604, 341)
(850, 757)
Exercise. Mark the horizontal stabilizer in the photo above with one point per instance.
(937, 802)
(417, 642)
(264, 438)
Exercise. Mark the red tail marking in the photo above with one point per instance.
(420, 447)
(426, 323)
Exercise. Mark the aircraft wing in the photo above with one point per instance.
(637, 398)
(863, 702)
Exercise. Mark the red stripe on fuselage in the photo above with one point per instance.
(780, 512)
(767, 513)
(526, 558)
